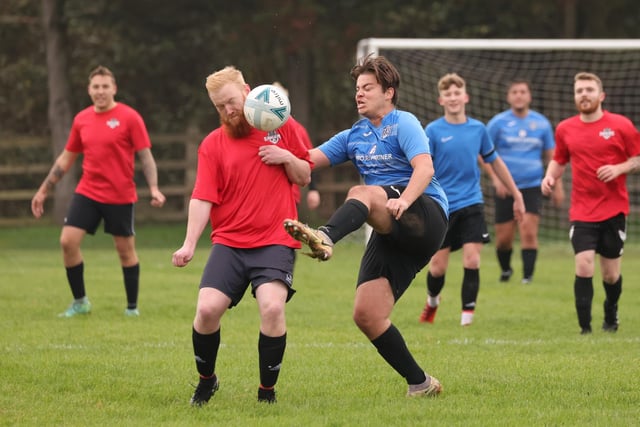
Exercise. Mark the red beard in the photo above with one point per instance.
(591, 108)
(238, 128)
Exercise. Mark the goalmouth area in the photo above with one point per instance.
(488, 65)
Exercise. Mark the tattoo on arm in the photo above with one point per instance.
(55, 175)
(150, 171)
(635, 164)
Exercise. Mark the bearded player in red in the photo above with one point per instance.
(244, 188)
(602, 148)
(108, 134)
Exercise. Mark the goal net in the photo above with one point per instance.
(488, 65)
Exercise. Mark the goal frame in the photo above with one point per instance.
(373, 45)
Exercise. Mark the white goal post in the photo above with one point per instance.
(488, 65)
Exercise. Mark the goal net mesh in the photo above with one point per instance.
(550, 71)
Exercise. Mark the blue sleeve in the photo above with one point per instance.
(412, 138)
(487, 149)
(548, 140)
(336, 148)
(428, 130)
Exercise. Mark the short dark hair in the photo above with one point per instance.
(386, 73)
(101, 70)
(517, 81)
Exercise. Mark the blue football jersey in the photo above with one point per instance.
(521, 143)
(382, 154)
(455, 149)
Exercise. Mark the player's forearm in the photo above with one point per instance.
(57, 172)
(298, 171)
(502, 172)
(419, 181)
(149, 169)
(199, 213)
(55, 175)
(554, 170)
(632, 165)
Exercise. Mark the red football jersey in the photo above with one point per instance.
(610, 140)
(108, 142)
(250, 199)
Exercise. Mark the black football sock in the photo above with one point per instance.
(613, 291)
(131, 284)
(205, 350)
(504, 258)
(270, 354)
(470, 288)
(434, 284)
(583, 292)
(346, 219)
(75, 276)
(393, 349)
(529, 261)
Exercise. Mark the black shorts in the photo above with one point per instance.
(466, 225)
(86, 214)
(605, 237)
(230, 270)
(532, 204)
(401, 254)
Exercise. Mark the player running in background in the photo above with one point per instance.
(524, 140)
(108, 134)
(400, 200)
(457, 141)
(313, 196)
(243, 187)
(602, 148)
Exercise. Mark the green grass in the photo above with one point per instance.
(522, 362)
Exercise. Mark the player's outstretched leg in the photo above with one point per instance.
(320, 244)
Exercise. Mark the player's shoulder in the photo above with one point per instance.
(212, 137)
(474, 123)
(615, 117)
(537, 115)
(569, 121)
(501, 116)
(406, 118)
(126, 108)
(436, 123)
(85, 112)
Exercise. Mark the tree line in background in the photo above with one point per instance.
(161, 52)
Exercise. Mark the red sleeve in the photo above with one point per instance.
(74, 143)
(297, 140)
(139, 134)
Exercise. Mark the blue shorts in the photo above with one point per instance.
(86, 213)
(605, 237)
(231, 270)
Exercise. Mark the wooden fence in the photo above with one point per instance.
(25, 162)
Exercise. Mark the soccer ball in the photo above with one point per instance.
(267, 107)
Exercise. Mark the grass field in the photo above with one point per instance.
(522, 362)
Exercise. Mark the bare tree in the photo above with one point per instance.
(569, 9)
(59, 110)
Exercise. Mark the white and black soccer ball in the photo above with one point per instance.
(267, 107)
